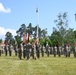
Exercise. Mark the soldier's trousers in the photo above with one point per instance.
(42, 53)
(38, 54)
(5, 52)
(28, 54)
(74, 54)
(59, 54)
(48, 53)
(20, 54)
(15, 52)
(0, 52)
(10, 52)
(24, 53)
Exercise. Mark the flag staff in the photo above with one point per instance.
(37, 12)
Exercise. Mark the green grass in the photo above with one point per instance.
(43, 66)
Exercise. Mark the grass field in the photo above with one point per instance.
(43, 66)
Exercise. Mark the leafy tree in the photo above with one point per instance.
(62, 25)
(18, 39)
(0, 40)
(9, 37)
(30, 28)
(44, 32)
(55, 37)
(21, 30)
(70, 37)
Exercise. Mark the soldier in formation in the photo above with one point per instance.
(55, 51)
(0, 49)
(42, 50)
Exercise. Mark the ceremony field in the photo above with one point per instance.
(43, 66)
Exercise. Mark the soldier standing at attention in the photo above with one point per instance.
(38, 50)
(28, 47)
(0, 49)
(55, 51)
(59, 51)
(66, 50)
(47, 49)
(42, 50)
(24, 50)
(6, 49)
(10, 47)
(75, 51)
(15, 48)
(19, 51)
(33, 51)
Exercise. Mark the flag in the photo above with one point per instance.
(37, 10)
(75, 44)
(28, 37)
(24, 37)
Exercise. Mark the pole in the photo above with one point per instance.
(37, 21)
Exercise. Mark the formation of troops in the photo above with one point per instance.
(35, 50)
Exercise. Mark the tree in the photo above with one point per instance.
(21, 30)
(44, 32)
(70, 37)
(30, 28)
(62, 25)
(9, 37)
(0, 40)
(55, 37)
(18, 39)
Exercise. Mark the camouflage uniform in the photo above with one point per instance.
(24, 50)
(0, 49)
(20, 51)
(33, 51)
(38, 50)
(59, 51)
(42, 51)
(16, 48)
(75, 52)
(28, 47)
(10, 49)
(55, 51)
(6, 49)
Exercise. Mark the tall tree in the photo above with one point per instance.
(8, 36)
(21, 30)
(62, 25)
(30, 28)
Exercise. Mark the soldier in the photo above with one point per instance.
(0, 49)
(42, 50)
(20, 51)
(55, 51)
(6, 49)
(59, 51)
(47, 49)
(24, 50)
(66, 50)
(33, 51)
(16, 48)
(10, 49)
(51, 50)
(28, 47)
(75, 51)
(38, 50)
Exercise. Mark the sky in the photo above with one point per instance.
(14, 13)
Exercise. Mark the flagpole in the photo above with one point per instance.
(37, 12)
